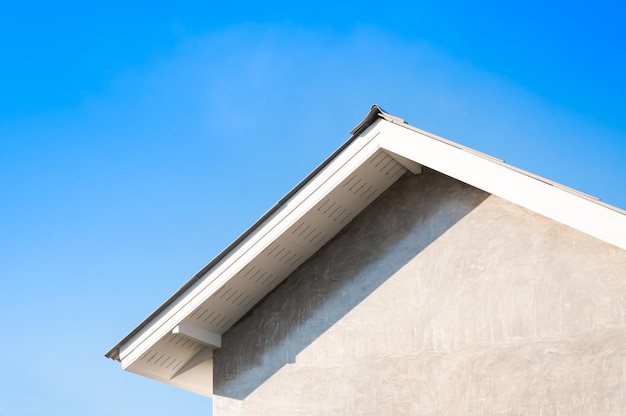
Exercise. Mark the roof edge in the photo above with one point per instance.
(374, 114)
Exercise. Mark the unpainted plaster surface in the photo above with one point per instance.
(438, 299)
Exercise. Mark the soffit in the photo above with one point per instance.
(310, 223)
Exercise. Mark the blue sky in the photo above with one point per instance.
(138, 139)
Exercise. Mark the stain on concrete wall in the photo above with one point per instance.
(437, 299)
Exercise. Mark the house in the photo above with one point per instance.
(407, 274)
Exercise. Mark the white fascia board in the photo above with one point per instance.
(525, 190)
(357, 152)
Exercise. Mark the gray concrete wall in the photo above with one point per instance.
(438, 299)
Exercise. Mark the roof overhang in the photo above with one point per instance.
(175, 343)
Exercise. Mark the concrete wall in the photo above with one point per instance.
(438, 299)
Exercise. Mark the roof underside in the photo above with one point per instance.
(175, 343)
(265, 270)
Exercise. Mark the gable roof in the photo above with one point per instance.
(175, 343)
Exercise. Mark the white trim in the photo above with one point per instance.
(411, 148)
(304, 200)
(527, 191)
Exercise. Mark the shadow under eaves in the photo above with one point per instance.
(396, 227)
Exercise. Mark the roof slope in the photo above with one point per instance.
(175, 343)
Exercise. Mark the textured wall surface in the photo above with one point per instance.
(438, 299)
